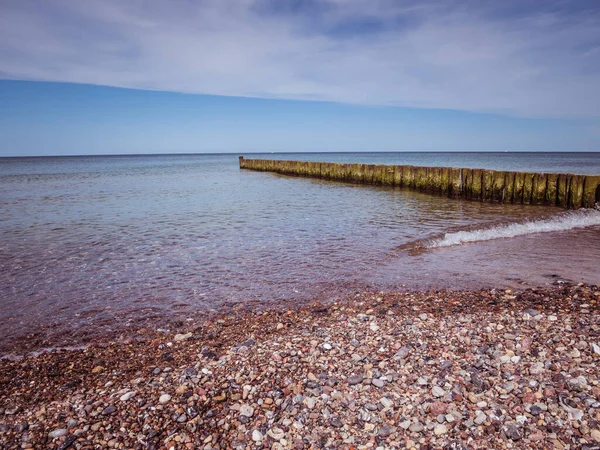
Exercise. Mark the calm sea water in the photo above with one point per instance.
(94, 246)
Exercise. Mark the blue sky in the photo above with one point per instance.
(109, 76)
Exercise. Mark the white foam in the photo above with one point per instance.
(567, 221)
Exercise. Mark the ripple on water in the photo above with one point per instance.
(94, 246)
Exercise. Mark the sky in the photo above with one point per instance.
(158, 76)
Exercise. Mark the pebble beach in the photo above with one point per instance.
(425, 370)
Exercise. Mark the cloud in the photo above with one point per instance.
(517, 57)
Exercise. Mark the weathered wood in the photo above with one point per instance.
(565, 190)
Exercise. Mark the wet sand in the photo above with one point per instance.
(440, 369)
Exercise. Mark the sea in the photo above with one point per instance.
(97, 247)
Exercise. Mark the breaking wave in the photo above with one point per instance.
(564, 222)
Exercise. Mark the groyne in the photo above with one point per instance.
(564, 190)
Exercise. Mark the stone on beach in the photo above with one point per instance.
(127, 396)
(164, 398)
(443, 370)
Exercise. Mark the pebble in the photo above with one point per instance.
(405, 425)
(537, 368)
(276, 433)
(165, 398)
(377, 382)
(403, 353)
(513, 432)
(386, 402)
(354, 379)
(246, 410)
(336, 422)
(437, 391)
(59, 432)
(310, 402)
(257, 436)
(108, 410)
(416, 427)
(480, 418)
(440, 429)
(127, 396)
(182, 337)
(386, 431)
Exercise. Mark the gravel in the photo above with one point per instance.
(450, 370)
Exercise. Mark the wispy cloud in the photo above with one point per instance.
(519, 57)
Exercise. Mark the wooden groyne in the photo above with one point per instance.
(564, 190)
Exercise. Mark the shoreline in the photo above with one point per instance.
(444, 369)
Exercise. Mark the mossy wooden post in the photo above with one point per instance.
(551, 189)
(323, 170)
(356, 173)
(398, 176)
(420, 178)
(519, 186)
(576, 195)
(443, 176)
(368, 173)
(429, 179)
(467, 183)
(509, 188)
(334, 171)
(487, 185)
(499, 186)
(454, 182)
(290, 167)
(408, 176)
(476, 191)
(295, 168)
(346, 170)
(378, 172)
(305, 167)
(340, 172)
(540, 182)
(388, 175)
(527, 187)
(309, 169)
(562, 195)
(315, 169)
(591, 191)
(438, 180)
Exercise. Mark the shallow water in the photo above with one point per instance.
(97, 245)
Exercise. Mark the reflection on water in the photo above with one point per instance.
(105, 242)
